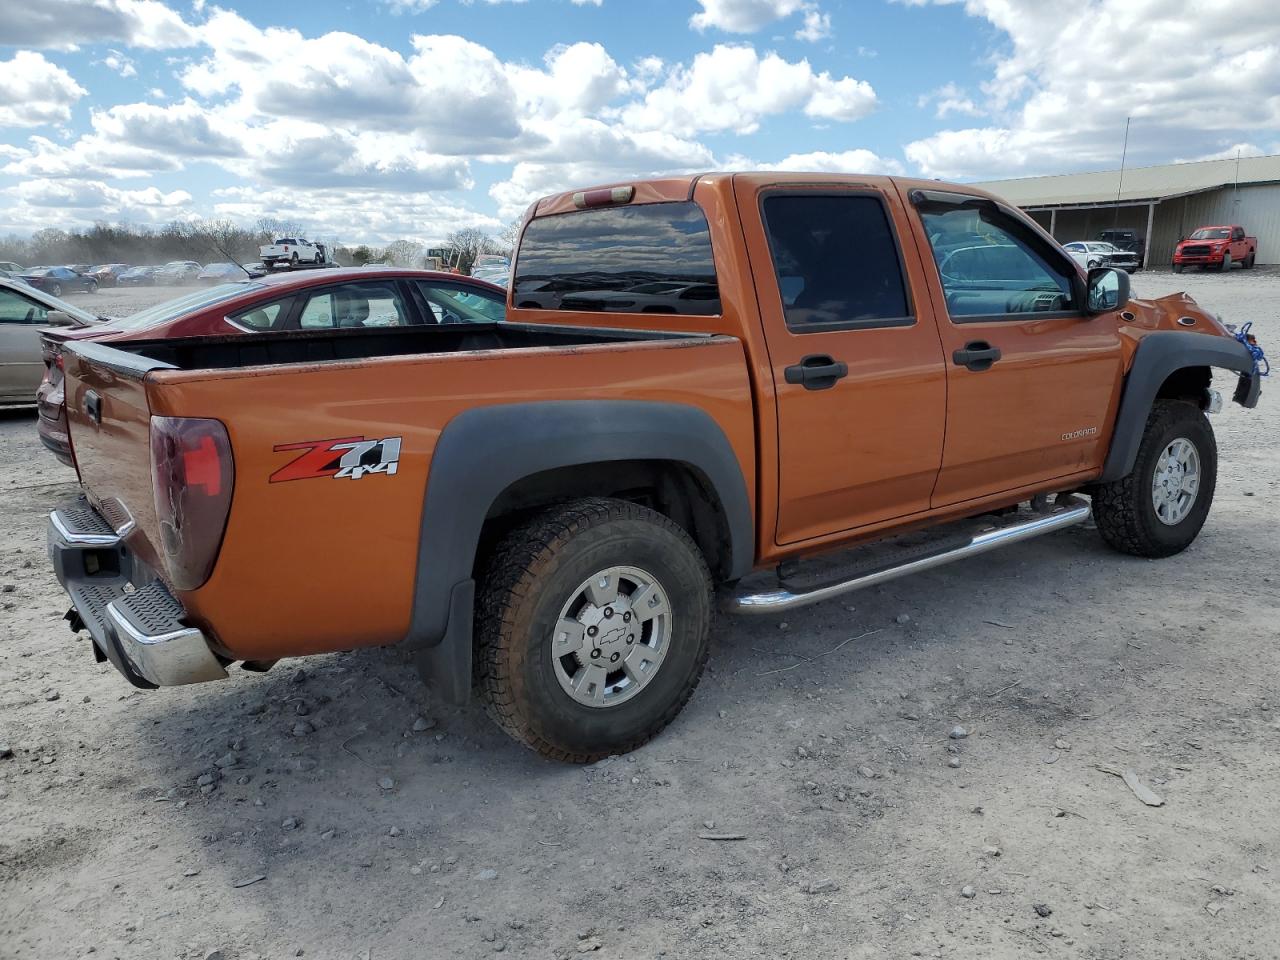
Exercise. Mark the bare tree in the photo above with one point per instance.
(403, 253)
(509, 235)
(467, 244)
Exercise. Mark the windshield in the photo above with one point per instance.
(1212, 233)
(172, 309)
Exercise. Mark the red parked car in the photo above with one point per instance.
(1216, 247)
(315, 300)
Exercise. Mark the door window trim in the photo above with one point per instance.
(423, 305)
(403, 290)
(833, 190)
(920, 198)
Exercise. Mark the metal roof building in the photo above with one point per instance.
(1163, 204)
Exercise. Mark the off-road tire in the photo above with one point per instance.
(532, 573)
(1123, 509)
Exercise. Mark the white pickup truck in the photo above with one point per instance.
(292, 251)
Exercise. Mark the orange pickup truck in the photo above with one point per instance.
(750, 387)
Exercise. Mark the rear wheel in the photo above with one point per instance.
(1248, 261)
(294, 260)
(92, 288)
(592, 628)
(1159, 508)
(56, 289)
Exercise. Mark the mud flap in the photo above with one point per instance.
(446, 667)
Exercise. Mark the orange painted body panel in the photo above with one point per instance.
(906, 440)
(310, 566)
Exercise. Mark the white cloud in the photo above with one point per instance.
(1191, 75)
(947, 99)
(821, 161)
(35, 92)
(817, 26)
(33, 204)
(181, 129)
(90, 157)
(733, 88)
(744, 16)
(121, 64)
(65, 24)
(341, 216)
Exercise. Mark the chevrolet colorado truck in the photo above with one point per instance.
(751, 391)
(1217, 247)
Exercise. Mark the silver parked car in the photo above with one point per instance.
(1097, 253)
(24, 311)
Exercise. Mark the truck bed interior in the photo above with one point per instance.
(268, 349)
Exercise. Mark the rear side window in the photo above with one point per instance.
(650, 258)
(836, 260)
(268, 316)
(355, 305)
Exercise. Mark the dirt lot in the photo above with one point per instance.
(868, 832)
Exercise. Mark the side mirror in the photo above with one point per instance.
(1108, 290)
(56, 318)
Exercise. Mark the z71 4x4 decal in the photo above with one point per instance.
(343, 458)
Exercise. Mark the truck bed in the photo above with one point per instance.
(319, 346)
(342, 555)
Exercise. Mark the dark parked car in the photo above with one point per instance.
(222, 273)
(59, 281)
(107, 274)
(138, 277)
(178, 272)
(1126, 240)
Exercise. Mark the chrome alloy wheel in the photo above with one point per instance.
(1176, 481)
(612, 636)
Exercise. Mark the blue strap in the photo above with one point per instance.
(1261, 365)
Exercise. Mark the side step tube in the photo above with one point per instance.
(1067, 512)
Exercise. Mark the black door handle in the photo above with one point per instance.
(93, 406)
(977, 355)
(817, 372)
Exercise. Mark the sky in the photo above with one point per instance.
(367, 122)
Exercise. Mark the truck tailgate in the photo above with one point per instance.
(109, 418)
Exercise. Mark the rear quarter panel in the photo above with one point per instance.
(317, 565)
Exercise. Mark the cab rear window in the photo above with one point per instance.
(649, 258)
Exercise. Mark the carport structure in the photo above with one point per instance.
(1163, 204)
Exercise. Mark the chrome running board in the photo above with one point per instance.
(995, 532)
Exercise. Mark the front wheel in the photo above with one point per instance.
(1226, 263)
(56, 290)
(1177, 268)
(1159, 508)
(92, 288)
(592, 628)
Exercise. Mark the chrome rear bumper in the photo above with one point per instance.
(135, 622)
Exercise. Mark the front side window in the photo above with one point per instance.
(355, 305)
(450, 304)
(993, 266)
(836, 260)
(16, 309)
(649, 258)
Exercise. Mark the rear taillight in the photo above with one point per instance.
(192, 472)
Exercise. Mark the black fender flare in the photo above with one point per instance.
(483, 451)
(1159, 355)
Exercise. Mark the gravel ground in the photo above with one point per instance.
(121, 301)
(330, 807)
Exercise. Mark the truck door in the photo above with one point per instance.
(857, 364)
(1033, 380)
